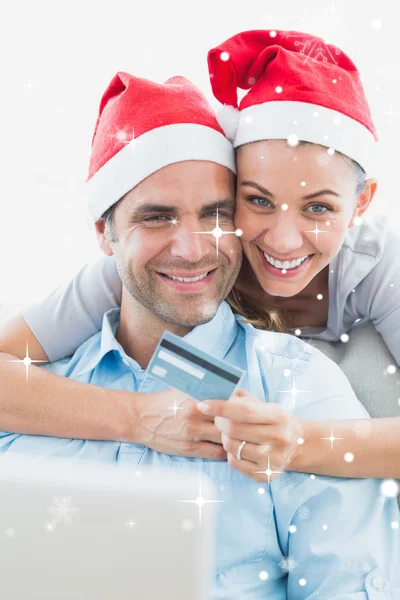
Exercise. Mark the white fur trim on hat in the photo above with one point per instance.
(151, 152)
(309, 123)
(228, 119)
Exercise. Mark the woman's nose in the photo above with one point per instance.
(283, 235)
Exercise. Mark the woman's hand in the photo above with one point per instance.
(272, 436)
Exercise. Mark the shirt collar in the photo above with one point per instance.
(214, 337)
(103, 343)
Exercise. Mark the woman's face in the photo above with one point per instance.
(294, 204)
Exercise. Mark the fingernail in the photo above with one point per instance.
(203, 406)
(222, 424)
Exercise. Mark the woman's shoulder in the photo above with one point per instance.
(368, 248)
(370, 237)
(367, 277)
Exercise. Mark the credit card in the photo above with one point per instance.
(184, 367)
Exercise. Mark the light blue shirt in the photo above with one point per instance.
(316, 537)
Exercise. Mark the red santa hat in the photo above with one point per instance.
(301, 88)
(144, 126)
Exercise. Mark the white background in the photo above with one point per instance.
(68, 53)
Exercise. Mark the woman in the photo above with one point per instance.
(296, 199)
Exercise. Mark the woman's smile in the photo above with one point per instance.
(285, 269)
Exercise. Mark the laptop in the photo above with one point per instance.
(90, 531)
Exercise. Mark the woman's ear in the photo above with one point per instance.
(102, 238)
(364, 199)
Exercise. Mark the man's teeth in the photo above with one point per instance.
(285, 264)
(187, 279)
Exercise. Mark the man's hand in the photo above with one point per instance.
(170, 422)
(272, 436)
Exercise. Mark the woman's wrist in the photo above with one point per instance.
(306, 458)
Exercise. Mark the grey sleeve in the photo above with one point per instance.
(71, 314)
(381, 291)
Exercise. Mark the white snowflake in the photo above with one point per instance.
(356, 566)
(131, 524)
(363, 429)
(265, 448)
(314, 49)
(303, 513)
(286, 478)
(10, 532)
(122, 136)
(288, 564)
(187, 525)
(62, 510)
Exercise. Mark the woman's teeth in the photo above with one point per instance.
(285, 264)
(187, 279)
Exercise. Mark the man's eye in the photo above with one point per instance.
(221, 214)
(320, 209)
(157, 218)
(259, 201)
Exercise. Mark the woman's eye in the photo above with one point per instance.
(258, 201)
(319, 209)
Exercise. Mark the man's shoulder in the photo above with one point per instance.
(287, 370)
(72, 366)
(276, 343)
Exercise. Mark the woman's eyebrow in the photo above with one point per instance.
(264, 191)
(258, 187)
(321, 193)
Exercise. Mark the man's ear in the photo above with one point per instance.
(101, 237)
(364, 199)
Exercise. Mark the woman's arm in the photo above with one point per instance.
(374, 443)
(49, 404)
(50, 330)
(73, 313)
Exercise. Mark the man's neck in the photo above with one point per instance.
(139, 330)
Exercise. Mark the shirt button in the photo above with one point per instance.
(378, 582)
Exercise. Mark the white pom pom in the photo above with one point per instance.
(228, 119)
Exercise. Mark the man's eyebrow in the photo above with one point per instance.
(167, 208)
(225, 203)
(151, 208)
(264, 191)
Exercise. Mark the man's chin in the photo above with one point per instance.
(193, 315)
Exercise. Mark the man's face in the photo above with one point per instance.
(155, 226)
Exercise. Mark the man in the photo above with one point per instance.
(299, 536)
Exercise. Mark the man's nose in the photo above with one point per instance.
(192, 242)
(283, 234)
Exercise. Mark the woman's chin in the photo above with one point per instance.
(284, 288)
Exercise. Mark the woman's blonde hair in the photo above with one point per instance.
(254, 312)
